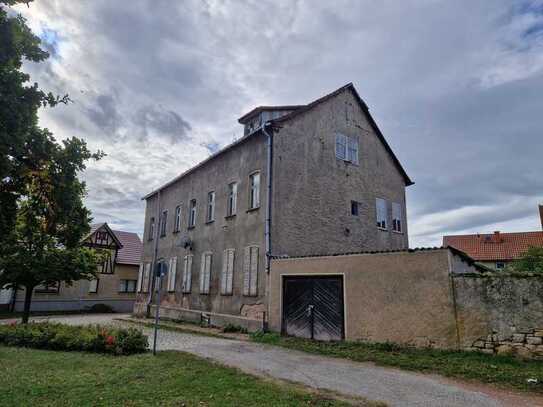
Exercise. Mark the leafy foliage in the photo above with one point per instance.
(92, 338)
(42, 216)
(529, 262)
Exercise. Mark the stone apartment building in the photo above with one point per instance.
(305, 179)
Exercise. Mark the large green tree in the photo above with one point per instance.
(42, 215)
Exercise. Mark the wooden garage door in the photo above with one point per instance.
(313, 307)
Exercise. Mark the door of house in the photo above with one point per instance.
(313, 307)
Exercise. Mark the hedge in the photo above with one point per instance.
(90, 338)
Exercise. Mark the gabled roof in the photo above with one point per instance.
(364, 107)
(496, 246)
(130, 245)
(298, 109)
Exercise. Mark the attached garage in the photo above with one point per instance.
(313, 307)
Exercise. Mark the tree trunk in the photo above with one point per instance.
(28, 301)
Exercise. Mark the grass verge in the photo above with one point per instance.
(37, 377)
(504, 371)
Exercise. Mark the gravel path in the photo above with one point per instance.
(393, 386)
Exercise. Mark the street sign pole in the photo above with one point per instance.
(159, 273)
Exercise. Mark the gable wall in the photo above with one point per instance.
(312, 196)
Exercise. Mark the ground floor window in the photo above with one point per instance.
(93, 286)
(127, 286)
(51, 288)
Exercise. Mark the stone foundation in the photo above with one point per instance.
(526, 344)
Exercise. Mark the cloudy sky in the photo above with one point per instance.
(456, 87)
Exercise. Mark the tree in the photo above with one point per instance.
(529, 262)
(42, 215)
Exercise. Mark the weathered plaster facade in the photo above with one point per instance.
(312, 192)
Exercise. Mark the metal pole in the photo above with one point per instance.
(158, 299)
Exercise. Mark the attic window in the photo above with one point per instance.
(347, 148)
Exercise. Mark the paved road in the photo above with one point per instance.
(393, 386)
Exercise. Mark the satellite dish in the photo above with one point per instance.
(186, 243)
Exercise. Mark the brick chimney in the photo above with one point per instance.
(541, 215)
(497, 237)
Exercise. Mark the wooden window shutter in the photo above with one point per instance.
(229, 280)
(187, 273)
(246, 271)
(227, 273)
(205, 273)
(172, 272)
(140, 278)
(253, 287)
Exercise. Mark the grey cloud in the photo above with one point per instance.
(155, 120)
(105, 115)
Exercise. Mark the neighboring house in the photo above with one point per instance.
(497, 249)
(316, 178)
(116, 282)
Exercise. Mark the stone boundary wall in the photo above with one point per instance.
(500, 313)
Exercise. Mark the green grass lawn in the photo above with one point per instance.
(46, 378)
(504, 371)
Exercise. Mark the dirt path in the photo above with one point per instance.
(393, 386)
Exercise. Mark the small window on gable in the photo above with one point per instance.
(177, 225)
(397, 217)
(341, 146)
(354, 208)
(381, 210)
(347, 148)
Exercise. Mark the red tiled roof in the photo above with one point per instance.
(496, 246)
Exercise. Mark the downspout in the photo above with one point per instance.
(155, 253)
(267, 230)
(267, 227)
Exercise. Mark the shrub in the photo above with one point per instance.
(91, 338)
(101, 309)
(231, 328)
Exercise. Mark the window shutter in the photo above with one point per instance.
(227, 271)
(229, 280)
(187, 273)
(254, 271)
(353, 150)
(140, 277)
(146, 277)
(341, 146)
(247, 271)
(172, 272)
(205, 273)
(224, 272)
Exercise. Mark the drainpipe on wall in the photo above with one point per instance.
(267, 228)
(155, 253)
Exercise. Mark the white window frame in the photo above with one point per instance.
(227, 275)
(123, 286)
(352, 150)
(140, 278)
(347, 148)
(232, 204)
(210, 216)
(146, 278)
(397, 218)
(254, 190)
(192, 213)
(381, 210)
(178, 212)
(151, 228)
(205, 272)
